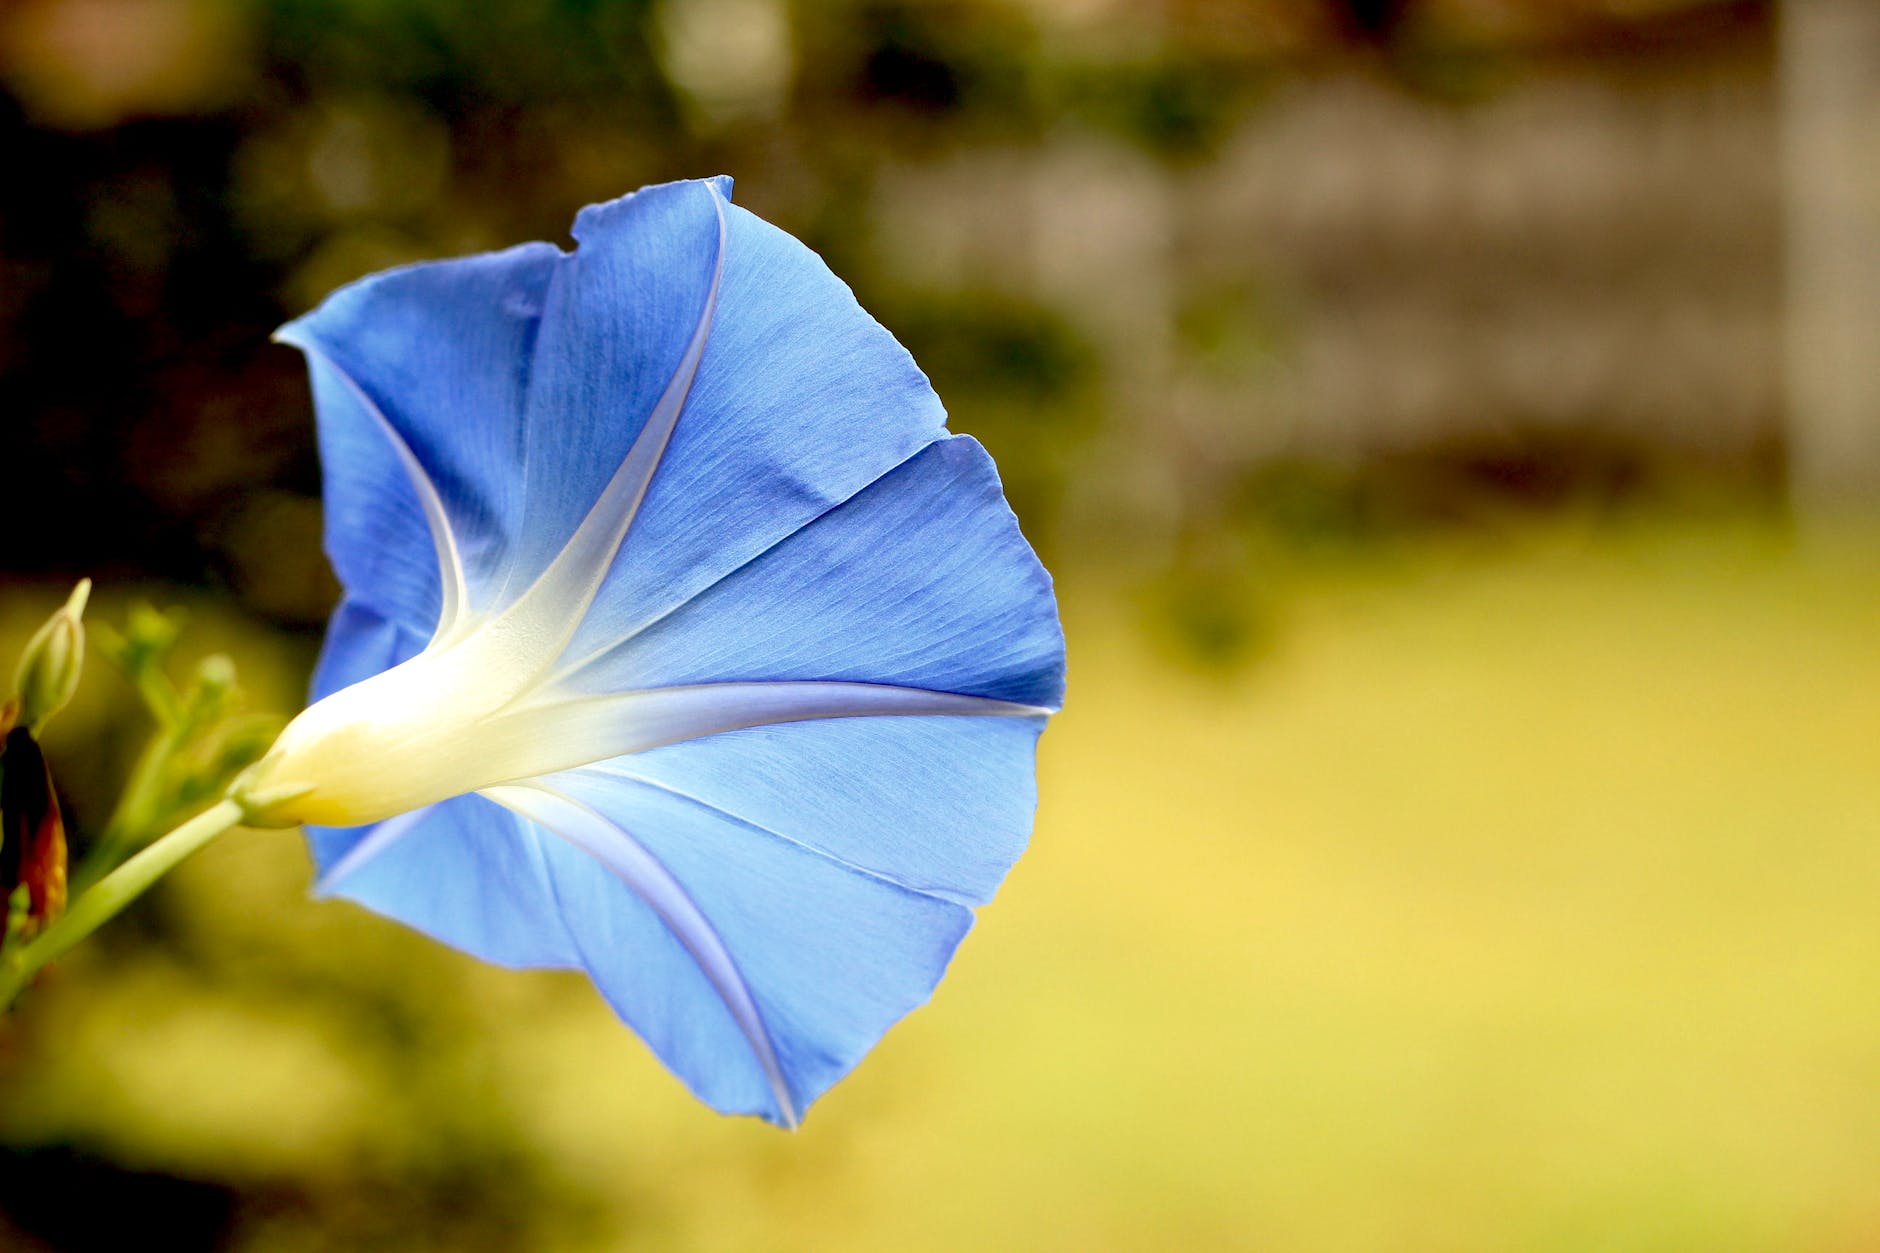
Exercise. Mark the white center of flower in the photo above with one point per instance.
(450, 720)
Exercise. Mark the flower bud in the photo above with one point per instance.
(32, 838)
(50, 663)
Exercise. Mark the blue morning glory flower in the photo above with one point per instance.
(681, 643)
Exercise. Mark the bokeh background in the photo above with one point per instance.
(1455, 427)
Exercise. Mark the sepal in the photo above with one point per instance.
(50, 664)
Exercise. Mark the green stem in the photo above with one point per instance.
(113, 892)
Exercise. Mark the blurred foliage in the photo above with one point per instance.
(204, 735)
(205, 169)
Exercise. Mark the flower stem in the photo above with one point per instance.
(112, 893)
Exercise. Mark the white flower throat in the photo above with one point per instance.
(450, 720)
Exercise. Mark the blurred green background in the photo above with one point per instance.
(1455, 428)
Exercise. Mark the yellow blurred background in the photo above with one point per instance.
(1454, 426)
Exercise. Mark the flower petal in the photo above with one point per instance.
(922, 579)
(465, 871)
(537, 622)
(378, 532)
(442, 352)
(629, 862)
(758, 971)
(940, 805)
(800, 401)
(625, 321)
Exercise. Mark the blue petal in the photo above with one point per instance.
(921, 580)
(376, 533)
(801, 400)
(618, 318)
(443, 353)
(464, 871)
(690, 920)
(941, 805)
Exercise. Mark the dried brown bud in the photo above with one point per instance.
(32, 836)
